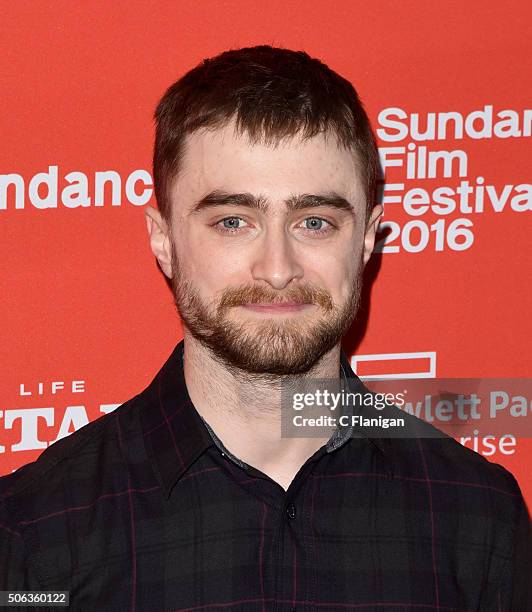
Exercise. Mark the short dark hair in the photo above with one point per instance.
(273, 93)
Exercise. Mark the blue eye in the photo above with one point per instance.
(229, 225)
(315, 225)
(231, 222)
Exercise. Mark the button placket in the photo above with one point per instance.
(291, 510)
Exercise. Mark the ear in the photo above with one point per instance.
(371, 230)
(159, 239)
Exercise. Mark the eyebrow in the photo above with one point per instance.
(297, 202)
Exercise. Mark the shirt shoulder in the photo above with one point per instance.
(428, 452)
(469, 494)
(74, 456)
(459, 481)
(71, 473)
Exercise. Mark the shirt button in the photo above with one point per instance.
(291, 510)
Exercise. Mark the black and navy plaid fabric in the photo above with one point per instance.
(143, 509)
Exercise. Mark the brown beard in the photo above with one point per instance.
(269, 347)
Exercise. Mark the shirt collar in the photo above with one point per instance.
(175, 434)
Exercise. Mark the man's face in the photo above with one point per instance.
(266, 277)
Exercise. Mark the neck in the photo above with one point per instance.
(244, 410)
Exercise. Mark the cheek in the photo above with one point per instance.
(208, 266)
(333, 272)
(336, 268)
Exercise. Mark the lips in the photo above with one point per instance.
(272, 307)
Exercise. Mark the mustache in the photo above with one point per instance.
(257, 295)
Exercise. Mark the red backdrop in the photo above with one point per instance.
(83, 303)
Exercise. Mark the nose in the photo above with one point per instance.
(275, 261)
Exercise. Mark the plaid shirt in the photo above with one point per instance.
(143, 509)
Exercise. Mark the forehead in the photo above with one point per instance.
(221, 159)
